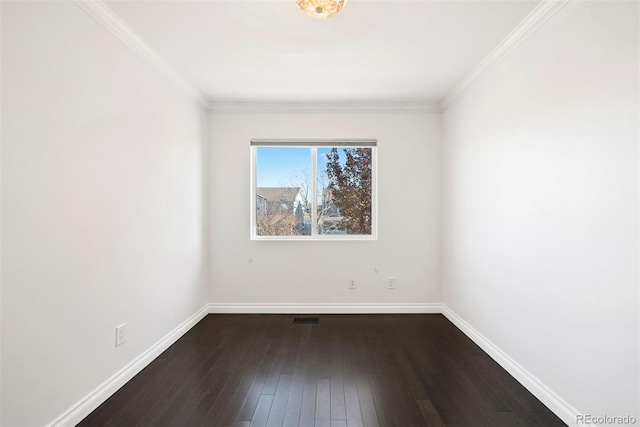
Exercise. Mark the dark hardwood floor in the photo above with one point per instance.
(347, 370)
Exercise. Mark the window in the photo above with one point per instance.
(313, 189)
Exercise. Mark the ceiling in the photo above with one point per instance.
(372, 51)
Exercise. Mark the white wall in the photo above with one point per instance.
(408, 248)
(541, 206)
(102, 207)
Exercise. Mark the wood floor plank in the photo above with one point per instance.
(429, 413)
(294, 401)
(323, 404)
(352, 402)
(281, 346)
(253, 396)
(309, 394)
(381, 404)
(263, 408)
(223, 411)
(280, 399)
(519, 394)
(337, 346)
(294, 404)
(367, 405)
(218, 397)
(196, 411)
(362, 366)
(346, 370)
(338, 411)
(248, 369)
(183, 380)
(414, 386)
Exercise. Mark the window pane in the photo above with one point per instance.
(283, 190)
(344, 190)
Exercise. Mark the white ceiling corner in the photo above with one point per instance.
(104, 15)
(520, 33)
(414, 55)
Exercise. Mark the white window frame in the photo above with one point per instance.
(314, 144)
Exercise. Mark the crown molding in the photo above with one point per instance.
(324, 107)
(101, 13)
(538, 16)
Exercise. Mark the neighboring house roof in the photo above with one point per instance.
(278, 194)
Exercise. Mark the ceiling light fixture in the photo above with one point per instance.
(321, 8)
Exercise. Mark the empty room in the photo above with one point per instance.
(320, 213)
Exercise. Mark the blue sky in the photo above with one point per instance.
(279, 166)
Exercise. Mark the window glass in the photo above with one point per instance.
(283, 181)
(316, 191)
(344, 190)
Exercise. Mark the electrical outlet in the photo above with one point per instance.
(391, 283)
(121, 334)
(352, 283)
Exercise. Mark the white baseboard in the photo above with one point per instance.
(91, 401)
(324, 308)
(551, 400)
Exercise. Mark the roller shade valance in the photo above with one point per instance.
(297, 142)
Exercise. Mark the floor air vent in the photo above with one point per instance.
(305, 320)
